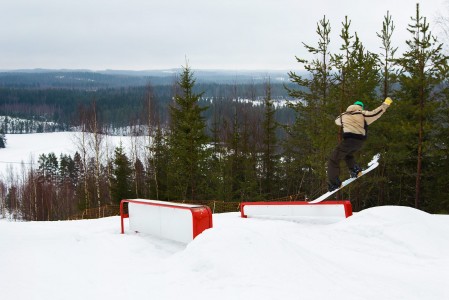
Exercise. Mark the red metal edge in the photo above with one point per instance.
(197, 229)
(346, 204)
(348, 208)
(122, 216)
(202, 219)
(242, 206)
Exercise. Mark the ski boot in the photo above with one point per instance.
(355, 172)
(333, 184)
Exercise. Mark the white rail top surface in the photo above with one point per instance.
(167, 203)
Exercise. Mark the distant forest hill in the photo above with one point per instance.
(121, 96)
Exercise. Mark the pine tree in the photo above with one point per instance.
(187, 141)
(310, 138)
(48, 167)
(383, 132)
(423, 68)
(387, 61)
(356, 75)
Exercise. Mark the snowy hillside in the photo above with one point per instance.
(380, 253)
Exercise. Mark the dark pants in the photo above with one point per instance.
(345, 150)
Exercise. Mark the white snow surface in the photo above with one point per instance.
(26, 148)
(380, 253)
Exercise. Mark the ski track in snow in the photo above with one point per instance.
(380, 253)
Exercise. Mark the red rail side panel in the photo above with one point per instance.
(202, 220)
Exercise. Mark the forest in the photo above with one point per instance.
(117, 107)
(207, 145)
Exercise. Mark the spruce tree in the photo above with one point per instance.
(233, 177)
(250, 184)
(121, 176)
(270, 154)
(139, 179)
(157, 175)
(216, 179)
(187, 141)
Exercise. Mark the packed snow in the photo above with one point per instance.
(380, 253)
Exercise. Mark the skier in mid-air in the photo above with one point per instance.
(354, 122)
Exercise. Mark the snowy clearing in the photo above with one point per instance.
(380, 253)
(26, 148)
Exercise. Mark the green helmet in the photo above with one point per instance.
(360, 103)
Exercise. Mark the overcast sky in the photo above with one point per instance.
(212, 34)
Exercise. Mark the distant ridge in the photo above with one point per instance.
(84, 78)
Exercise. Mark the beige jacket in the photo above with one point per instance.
(355, 121)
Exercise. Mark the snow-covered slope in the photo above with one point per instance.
(380, 253)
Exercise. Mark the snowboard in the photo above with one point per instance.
(371, 166)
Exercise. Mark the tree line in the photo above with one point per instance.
(33, 110)
(412, 137)
(247, 154)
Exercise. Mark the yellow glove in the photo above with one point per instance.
(388, 101)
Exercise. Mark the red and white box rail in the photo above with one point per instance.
(294, 209)
(175, 221)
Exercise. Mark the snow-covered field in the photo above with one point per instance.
(26, 148)
(380, 253)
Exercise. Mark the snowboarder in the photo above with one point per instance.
(354, 122)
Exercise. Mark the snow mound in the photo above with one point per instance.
(379, 253)
(401, 229)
